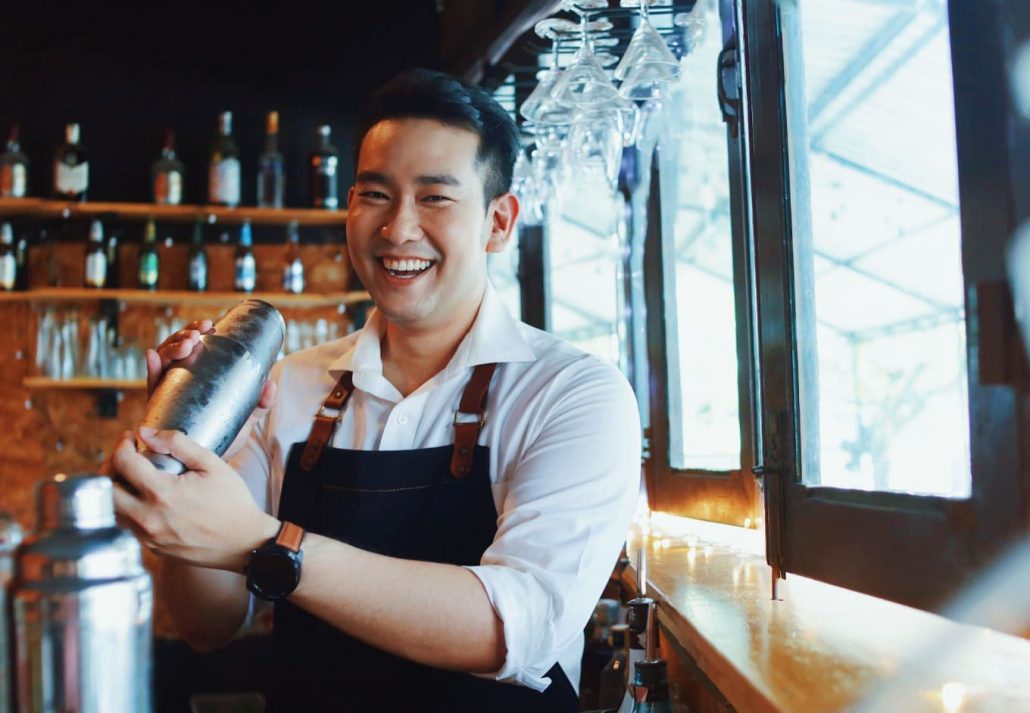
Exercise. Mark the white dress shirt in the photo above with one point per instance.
(563, 431)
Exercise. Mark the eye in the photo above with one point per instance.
(436, 199)
(373, 195)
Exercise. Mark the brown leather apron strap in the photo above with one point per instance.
(325, 422)
(470, 418)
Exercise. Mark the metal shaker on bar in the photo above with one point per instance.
(83, 605)
(10, 538)
(209, 395)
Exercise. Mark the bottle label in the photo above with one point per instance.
(246, 273)
(72, 180)
(224, 181)
(13, 180)
(8, 271)
(168, 188)
(293, 277)
(324, 193)
(198, 273)
(96, 269)
(148, 270)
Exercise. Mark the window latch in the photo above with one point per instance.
(727, 86)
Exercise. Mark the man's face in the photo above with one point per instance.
(417, 231)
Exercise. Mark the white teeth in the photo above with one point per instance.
(415, 265)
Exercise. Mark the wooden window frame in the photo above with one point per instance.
(916, 550)
(731, 496)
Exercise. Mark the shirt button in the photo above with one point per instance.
(402, 419)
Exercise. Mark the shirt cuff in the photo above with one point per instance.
(527, 619)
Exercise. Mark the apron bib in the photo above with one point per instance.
(429, 504)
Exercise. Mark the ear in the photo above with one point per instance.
(350, 195)
(502, 216)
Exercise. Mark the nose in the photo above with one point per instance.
(402, 225)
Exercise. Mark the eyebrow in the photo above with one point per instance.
(432, 180)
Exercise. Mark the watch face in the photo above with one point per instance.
(272, 574)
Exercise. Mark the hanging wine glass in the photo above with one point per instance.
(584, 82)
(540, 106)
(647, 60)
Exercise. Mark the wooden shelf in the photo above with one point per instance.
(184, 297)
(82, 382)
(45, 208)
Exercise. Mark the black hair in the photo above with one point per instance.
(427, 94)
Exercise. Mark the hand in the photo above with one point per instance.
(178, 347)
(204, 517)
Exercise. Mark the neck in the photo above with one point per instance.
(414, 355)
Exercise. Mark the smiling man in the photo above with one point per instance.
(435, 502)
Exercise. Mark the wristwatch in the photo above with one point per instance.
(274, 568)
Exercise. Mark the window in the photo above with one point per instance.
(891, 456)
(700, 414)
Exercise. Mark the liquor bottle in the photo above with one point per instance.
(323, 164)
(651, 687)
(14, 168)
(198, 260)
(96, 257)
(271, 174)
(71, 167)
(246, 266)
(167, 173)
(149, 265)
(612, 687)
(21, 252)
(639, 610)
(8, 259)
(224, 169)
(293, 267)
(113, 273)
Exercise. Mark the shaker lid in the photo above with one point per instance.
(82, 501)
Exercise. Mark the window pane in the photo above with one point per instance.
(702, 349)
(877, 248)
(584, 239)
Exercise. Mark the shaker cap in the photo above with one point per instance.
(82, 501)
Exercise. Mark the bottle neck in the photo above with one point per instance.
(225, 124)
(71, 134)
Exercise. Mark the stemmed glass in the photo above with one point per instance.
(541, 106)
(648, 63)
(584, 82)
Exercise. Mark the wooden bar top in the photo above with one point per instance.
(819, 647)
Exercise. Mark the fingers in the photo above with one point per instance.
(137, 472)
(154, 370)
(128, 506)
(178, 346)
(181, 447)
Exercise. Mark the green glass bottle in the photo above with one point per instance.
(651, 687)
(148, 260)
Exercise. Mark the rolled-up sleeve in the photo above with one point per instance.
(566, 509)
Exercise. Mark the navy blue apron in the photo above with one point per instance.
(430, 504)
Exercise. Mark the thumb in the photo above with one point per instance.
(181, 447)
(268, 392)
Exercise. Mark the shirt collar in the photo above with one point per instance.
(495, 337)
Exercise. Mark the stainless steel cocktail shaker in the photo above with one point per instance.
(83, 605)
(209, 395)
(10, 538)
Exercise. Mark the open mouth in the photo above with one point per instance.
(406, 268)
